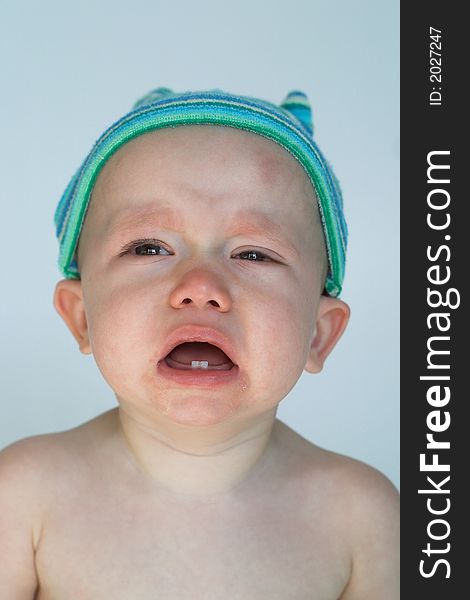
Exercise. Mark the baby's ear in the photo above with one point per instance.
(68, 302)
(332, 318)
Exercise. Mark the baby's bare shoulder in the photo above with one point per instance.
(42, 460)
(27, 468)
(361, 507)
(337, 475)
(30, 463)
(22, 473)
(368, 514)
(361, 487)
(371, 510)
(35, 476)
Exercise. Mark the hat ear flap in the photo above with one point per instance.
(297, 104)
(153, 96)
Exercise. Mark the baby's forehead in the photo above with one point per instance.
(207, 161)
(219, 144)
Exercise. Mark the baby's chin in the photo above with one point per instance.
(200, 409)
(189, 408)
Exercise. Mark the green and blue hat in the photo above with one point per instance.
(289, 125)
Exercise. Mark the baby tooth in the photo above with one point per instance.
(199, 364)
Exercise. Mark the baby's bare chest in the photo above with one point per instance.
(125, 548)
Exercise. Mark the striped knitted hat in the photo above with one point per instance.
(289, 125)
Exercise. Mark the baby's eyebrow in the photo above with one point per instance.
(243, 222)
(251, 222)
(163, 216)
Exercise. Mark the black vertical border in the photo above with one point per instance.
(426, 128)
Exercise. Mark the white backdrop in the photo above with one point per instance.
(69, 69)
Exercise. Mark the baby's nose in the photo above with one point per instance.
(202, 288)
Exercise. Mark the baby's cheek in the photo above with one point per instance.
(284, 340)
(120, 335)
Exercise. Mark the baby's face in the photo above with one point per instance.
(211, 227)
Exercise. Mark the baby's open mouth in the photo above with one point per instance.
(198, 355)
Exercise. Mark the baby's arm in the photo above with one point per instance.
(18, 531)
(374, 522)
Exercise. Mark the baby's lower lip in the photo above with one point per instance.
(198, 377)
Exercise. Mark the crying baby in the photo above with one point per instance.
(202, 247)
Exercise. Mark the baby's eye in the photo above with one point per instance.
(150, 250)
(254, 255)
(145, 248)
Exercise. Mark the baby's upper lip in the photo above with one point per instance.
(199, 333)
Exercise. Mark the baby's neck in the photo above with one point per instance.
(199, 463)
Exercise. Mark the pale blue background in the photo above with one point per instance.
(69, 69)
